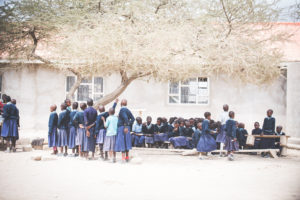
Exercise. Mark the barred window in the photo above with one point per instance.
(88, 88)
(192, 91)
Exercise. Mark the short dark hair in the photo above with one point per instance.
(231, 114)
(207, 114)
(83, 106)
(63, 105)
(111, 111)
(75, 105)
(90, 102)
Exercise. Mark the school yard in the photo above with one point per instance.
(151, 175)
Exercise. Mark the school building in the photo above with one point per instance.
(36, 87)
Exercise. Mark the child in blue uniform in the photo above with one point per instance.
(52, 129)
(160, 132)
(100, 129)
(148, 131)
(257, 131)
(90, 116)
(231, 143)
(10, 125)
(72, 129)
(268, 129)
(138, 139)
(123, 140)
(241, 134)
(62, 124)
(78, 121)
(206, 142)
(111, 125)
(222, 135)
(197, 134)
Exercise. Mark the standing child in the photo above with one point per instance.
(72, 129)
(78, 120)
(148, 131)
(206, 142)
(90, 116)
(62, 124)
(268, 129)
(231, 143)
(241, 134)
(257, 131)
(52, 129)
(100, 129)
(139, 140)
(123, 140)
(222, 135)
(111, 126)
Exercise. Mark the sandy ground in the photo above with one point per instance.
(156, 177)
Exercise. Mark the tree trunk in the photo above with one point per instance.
(73, 89)
(114, 94)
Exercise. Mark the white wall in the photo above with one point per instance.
(36, 88)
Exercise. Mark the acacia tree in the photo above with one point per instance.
(150, 39)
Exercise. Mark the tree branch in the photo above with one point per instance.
(159, 6)
(227, 17)
(74, 87)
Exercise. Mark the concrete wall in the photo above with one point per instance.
(293, 99)
(36, 88)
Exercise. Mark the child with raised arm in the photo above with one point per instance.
(111, 125)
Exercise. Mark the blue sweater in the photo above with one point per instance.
(269, 125)
(125, 117)
(231, 128)
(78, 119)
(63, 120)
(53, 118)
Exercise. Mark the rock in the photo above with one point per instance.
(37, 143)
(36, 158)
(26, 148)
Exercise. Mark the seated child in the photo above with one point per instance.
(148, 131)
(241, 134)
(256, 131)
(138, 139)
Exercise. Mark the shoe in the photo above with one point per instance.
(114, 160)
(230, 157)
(14, 150)
(267, 156)
(105, 159)
(7, 150)
(65, 154)
(201, 158)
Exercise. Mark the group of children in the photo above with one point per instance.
(9, 122)
(82, 130)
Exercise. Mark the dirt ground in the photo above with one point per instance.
(149, 176)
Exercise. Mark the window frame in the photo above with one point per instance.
(92, 85)
(179, 94)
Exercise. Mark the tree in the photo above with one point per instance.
(150, 39)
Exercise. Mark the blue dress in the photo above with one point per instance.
(62, 124)
(268, 129)
(161, 134)
(52, 129)
(257, 131)
(149, 130)
(11, 121)
(123, 141)
(72, 131)
(230, 144)
(206, 142)
(90, 116)
(221, 137)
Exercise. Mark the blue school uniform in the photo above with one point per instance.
(138, 141)
(206, 142)
(183, 139)
(268, 129)
(62, 124)
(11, 122)
(72, 130)
(123, 141)
(149, 131)
(196, 137)
(90, 116)
(230, 144)
(79, 119)
(100, 129)
(170, 130)
(221, 137)
(257, 131)
(52, 129)
(241, 135)
(160, 133)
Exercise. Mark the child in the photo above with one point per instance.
(68, 103)
(221, 137)
(175, 131)
(100, 129)
(90, 116)
(268, 129)
(206, 142)
(231, 143)
(277, 140)
(78, 121)
(72, 129)
(10, 125)
(139, 140)
(123, 140)
(160, 133)
(148, 131)
(111, 126)
(62, 124)
(52, 129)
(197, 134)
(241, 134)
(257, 131)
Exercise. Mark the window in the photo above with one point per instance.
(192, 91)
(88, 88)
